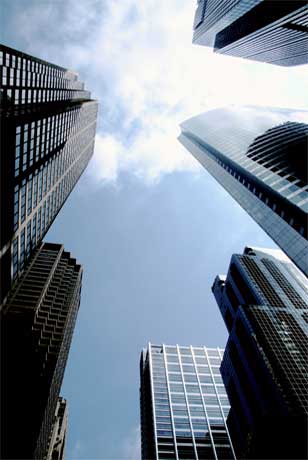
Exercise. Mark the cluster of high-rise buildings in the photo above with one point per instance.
(48, 124)
(247, 401)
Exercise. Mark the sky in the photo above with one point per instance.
(151, 227)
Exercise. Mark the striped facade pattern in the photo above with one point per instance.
(183, 404)
(50, 125)
(264, 302)
(213, 15)
(274, 32)
(37, 325)
(27, 80)
(270, 169)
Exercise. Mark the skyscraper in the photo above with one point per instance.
(259, 155)
(56, 447)
(183, 404)
(264, 302)
(37, 324)
(262, 30)
(48, 124)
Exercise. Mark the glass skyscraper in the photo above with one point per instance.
(264, 302)
(37, 324)
(48, 124)
(259, 155)
(271, 31)
(183, 404)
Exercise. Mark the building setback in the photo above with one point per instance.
(183, 404)
(37, 324)
(48, 124)
(259, 155)
(264, 302)
(261, 30)
(56, 448)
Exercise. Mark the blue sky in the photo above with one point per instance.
(151, 228)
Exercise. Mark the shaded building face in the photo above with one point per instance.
(259, 156)
(264, 302)
(48, 127)
(261, 30)
(37, 324)
(183, 404)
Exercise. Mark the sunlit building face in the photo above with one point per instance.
(184, 405)
(259, 155)
(49, 123)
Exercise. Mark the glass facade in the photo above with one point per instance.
(184, 405)
(261, 30)
(37, 324)
(50, 125)
(28, 80)
(250, 151)
(264, 302)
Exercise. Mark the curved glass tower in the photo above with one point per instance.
(259, 155)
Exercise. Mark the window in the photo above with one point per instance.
(205, 379)
(34, 231)
(188, 368)
(203, 369)
(22, 248)
(201, 360)
(180, 412)
(208, 389)
(172, 359)
(179, 424)
(187, 359)
(175, 378)
(185, 351)
(177, 399)
(23, 201)
(190, 378)
(213, 412)
(29, 197)
(194, 399)
(28, 247)
(174, 367)
(15, 257)
(176, 387)
(192, 388)
(16, 207)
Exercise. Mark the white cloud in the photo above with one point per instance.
(155, 151)
(105, 163)
(138, 60)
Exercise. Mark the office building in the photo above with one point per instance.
(183, 404)
(271, 31)
(259, 155)
(37, 324)
(56, 448)
(264, 302)
(48, 124)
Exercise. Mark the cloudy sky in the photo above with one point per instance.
(151, 227)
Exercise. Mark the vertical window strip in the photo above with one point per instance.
(170, 403)
(203, 403)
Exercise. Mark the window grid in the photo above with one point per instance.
(52, 181)
(184, 408)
